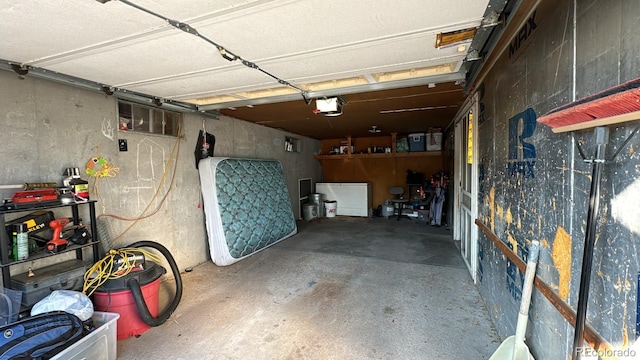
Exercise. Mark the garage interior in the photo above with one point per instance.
(534, 104)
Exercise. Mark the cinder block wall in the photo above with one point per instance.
(535, 185)
(48, 126)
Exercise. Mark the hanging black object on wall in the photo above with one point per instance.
(204, 146)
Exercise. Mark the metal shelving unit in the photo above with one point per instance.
(6, 263)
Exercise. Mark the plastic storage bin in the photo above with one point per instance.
(416, 142)
(434, 141)
(402, 145)
(99, 344)
(9, 305)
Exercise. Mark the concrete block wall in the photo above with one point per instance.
(535, 185)
(48, 126)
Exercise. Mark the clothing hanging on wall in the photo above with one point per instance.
(435, 209)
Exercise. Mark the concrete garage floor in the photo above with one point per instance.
(342, 288)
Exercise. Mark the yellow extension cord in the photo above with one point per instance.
(105, 269)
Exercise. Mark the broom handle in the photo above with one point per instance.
(602, 138)
(530, 274)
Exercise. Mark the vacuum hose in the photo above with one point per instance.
(134, 286)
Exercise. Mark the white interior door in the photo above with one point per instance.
(466, 193)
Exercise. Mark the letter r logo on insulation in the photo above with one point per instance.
(521, 127)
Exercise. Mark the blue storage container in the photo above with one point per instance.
(416, 142)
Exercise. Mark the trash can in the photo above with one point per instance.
(309, 211)
(319, 200)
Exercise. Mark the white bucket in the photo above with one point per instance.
(330, 206)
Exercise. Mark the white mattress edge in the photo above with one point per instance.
(206, 169)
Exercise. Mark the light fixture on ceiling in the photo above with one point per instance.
(473, 55)
(330, 106)
(492, 19)
(374, 129)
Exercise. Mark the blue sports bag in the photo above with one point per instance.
(41, 336)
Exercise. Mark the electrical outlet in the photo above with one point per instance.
(122, 144)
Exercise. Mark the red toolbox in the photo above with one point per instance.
(34, 196)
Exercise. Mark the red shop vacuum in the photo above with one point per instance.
(136, 295)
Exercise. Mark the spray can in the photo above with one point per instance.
(78, 186)
(20, 242)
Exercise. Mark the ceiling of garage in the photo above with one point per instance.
(264, 61)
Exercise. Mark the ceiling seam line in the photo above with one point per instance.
(220, 70)
(223, 52)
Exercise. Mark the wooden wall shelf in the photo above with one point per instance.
(381, 170)
(374, 156)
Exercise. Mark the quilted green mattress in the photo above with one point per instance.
(247, 206)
